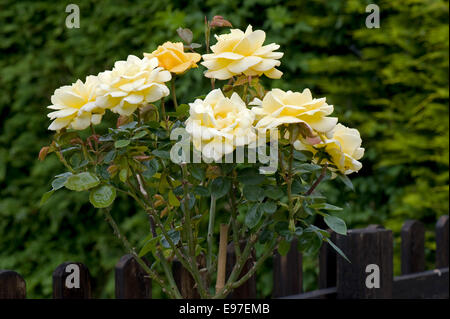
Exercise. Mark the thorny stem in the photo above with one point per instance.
(212, 214)
(187, 211)
(289, 187)
(174, 95)
(164, 263)
(187, 263)
(234, 226)
(141, 262)
(255, 267)
(63, 160)
(238, 266)
(319, 179)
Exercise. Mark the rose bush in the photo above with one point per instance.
(136, 159)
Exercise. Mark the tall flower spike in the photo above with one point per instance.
(240, 52)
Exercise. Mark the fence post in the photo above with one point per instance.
(370, 273)
(288, 272)
(327, 264)
(12, 285)
(413, 247)
(248, 289)
(184, 281)
(132, 282)
(71, 280)
(442, 242)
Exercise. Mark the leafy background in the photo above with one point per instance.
(390, 83)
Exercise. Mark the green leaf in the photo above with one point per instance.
(309, 242)
(265, 236)
(82, 181)
(251, 177)
(220, 186)
(59, 182)
(325, 206)
(152, 168)
(123, 175)
(273, 192)
(306, 168)
(174, 235)
(269, 207)
(197, 172)
(148, 246)
(253, 193)
(110, 156)
(102, 196)
(338, 250)
(173, 200)
(139, 135)
(283, 247)
(336, 224)
(161, 154)
(300, 156)
(182, 110)
(122, 143)
(346, 181)
(201, 191)
(128, 126)
(46, 197)
(253, 216)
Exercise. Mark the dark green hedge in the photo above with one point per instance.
(390, 83)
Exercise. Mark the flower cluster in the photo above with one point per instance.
(148, 156)
(217, 124)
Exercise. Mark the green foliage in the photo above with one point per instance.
(391, 83)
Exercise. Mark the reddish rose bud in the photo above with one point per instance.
(164, 212)
(112, 170)
(76, 141)
(121, 120)
(219, 21)
(142, 158)
(43, 153)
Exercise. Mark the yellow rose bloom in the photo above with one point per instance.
(218, 124)
(240, 52)
(132, 84)
(343, 144)
(280, 108)
(171, 56)
(75, 105)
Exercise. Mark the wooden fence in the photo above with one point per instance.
(337, 277)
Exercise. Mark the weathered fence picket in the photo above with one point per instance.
(71, 280)
(12, 285)
(370, 251)
(442, 242)
(327, 264)
(132, 282)
(413, 247)
(287, 273)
